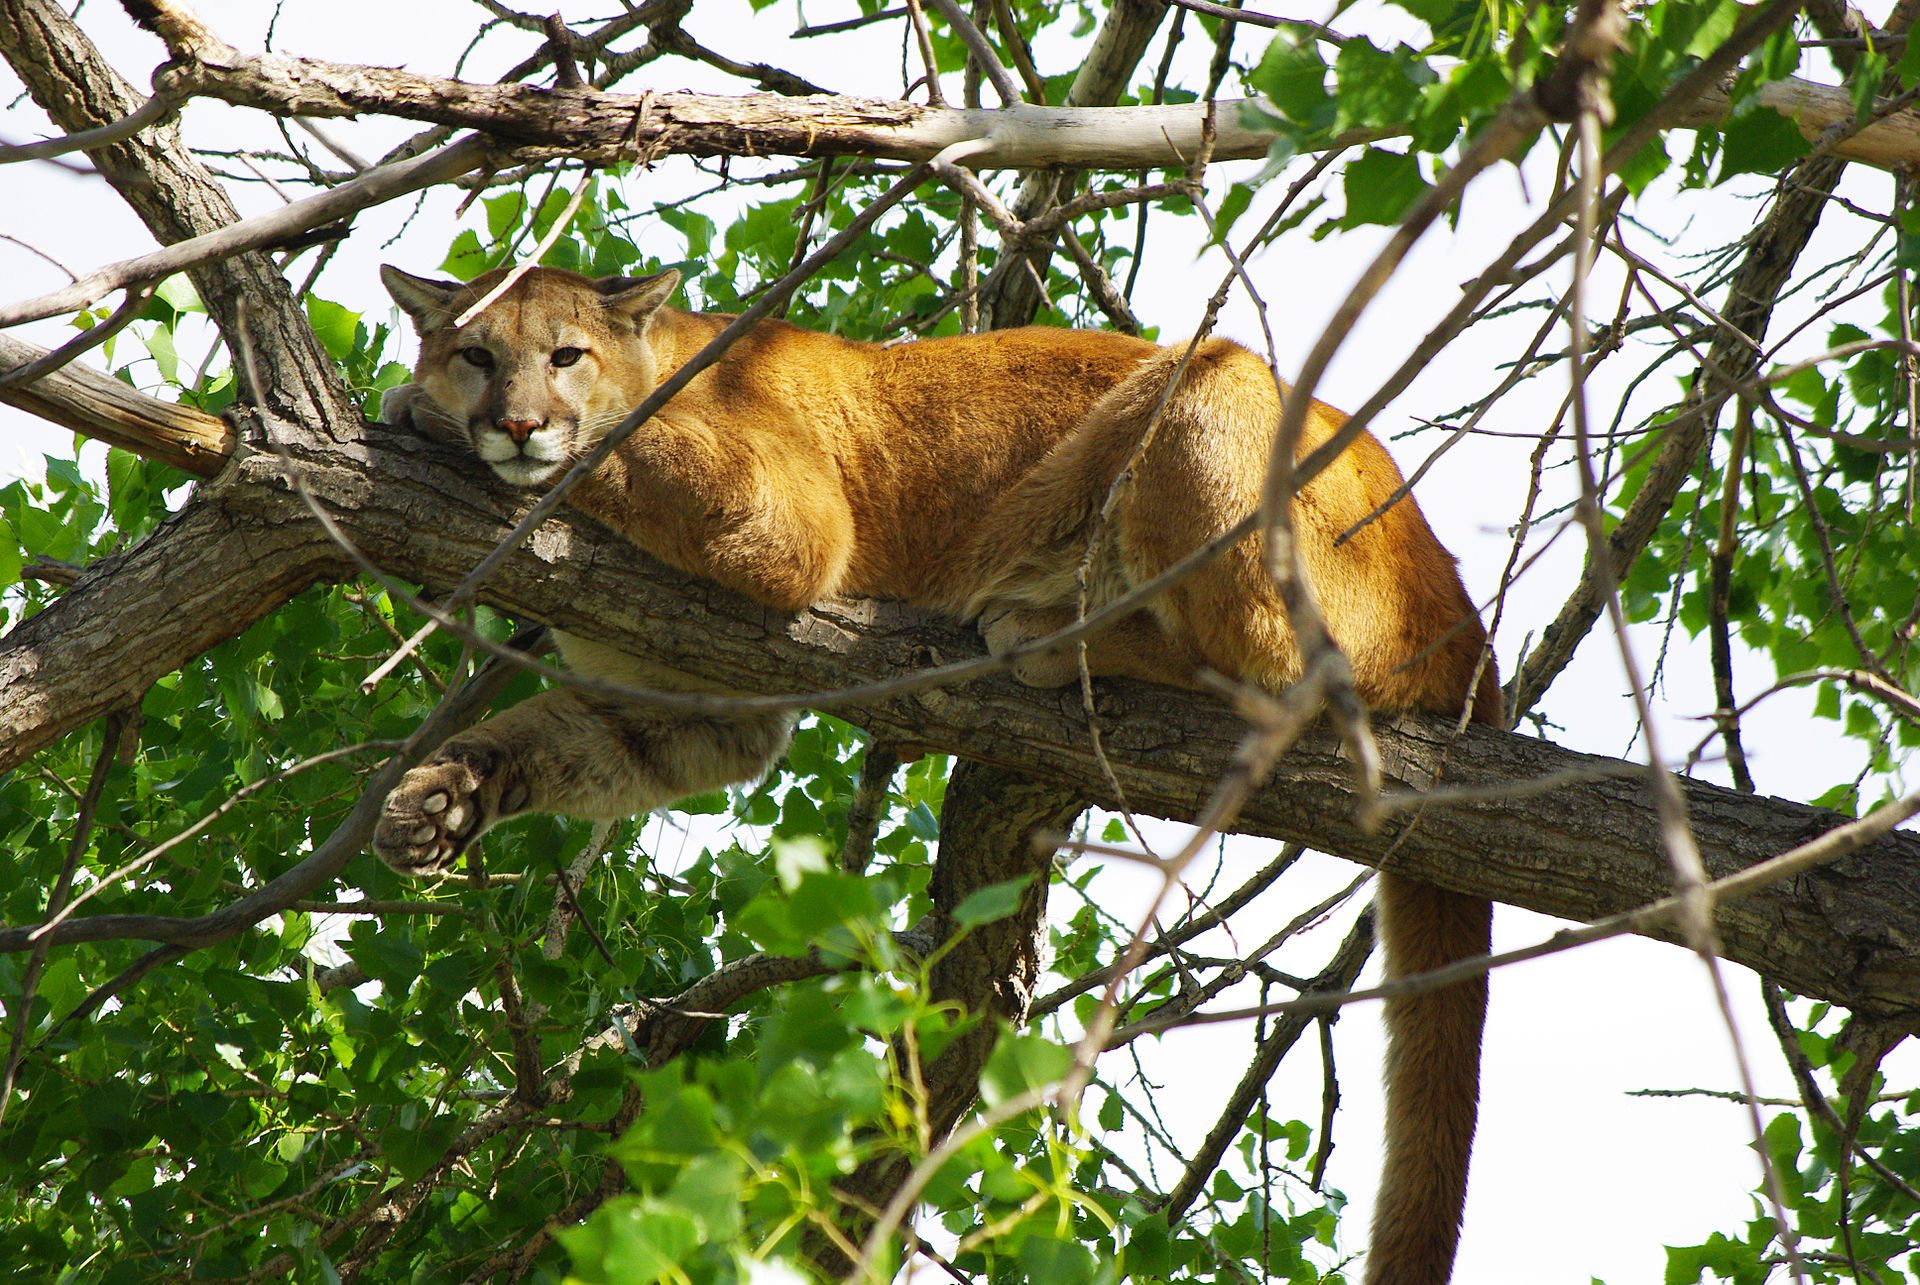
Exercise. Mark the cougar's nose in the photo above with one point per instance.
(518, 429)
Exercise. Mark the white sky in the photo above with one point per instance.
(1573, 1179)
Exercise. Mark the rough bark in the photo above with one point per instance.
(1588, 846)
(202, 578)
(84, 400)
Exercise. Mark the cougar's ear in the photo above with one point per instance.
(637, 298)
(429, 303)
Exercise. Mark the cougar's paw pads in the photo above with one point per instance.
(430, 818)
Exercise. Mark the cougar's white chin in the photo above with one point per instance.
(527, 472)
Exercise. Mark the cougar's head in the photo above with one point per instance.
(532, 380)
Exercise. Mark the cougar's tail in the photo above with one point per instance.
(1433, 1081)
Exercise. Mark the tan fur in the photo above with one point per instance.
(964, 474)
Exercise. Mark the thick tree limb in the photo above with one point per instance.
(201, 579)
(602, 127)
(86, 401)
(1586, 848)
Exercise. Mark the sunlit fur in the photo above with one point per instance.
(964, 474)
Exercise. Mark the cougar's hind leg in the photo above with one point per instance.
(1200, 473)
(568, 752)
(1195, 478)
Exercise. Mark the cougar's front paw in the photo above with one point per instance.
(434, 813)
(396, 404)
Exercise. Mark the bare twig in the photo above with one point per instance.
(260, 232)
(1832, 846)
(87, 340)
(1720, 581)
(1232, 1119)
(226, 805)
(156, 108)
(982, 50)
(531, 261)
(925, 41)
(1022, 55)
(1814, 1101)
(566, 72)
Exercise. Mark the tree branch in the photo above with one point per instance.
(1338, 975)
(82, 399)
(177, 199)
(601, 127)
(261, 232)
(1845, 933)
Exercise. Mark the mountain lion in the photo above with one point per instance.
(963, 474)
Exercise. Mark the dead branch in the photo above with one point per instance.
(80, 398)
(1339, 974)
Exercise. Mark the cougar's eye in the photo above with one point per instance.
(567, 356)
(477, 357)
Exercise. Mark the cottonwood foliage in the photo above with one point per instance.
(398, 1081)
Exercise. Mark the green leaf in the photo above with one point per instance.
(1759, 141)
(178, 293)
(1645, 165)
(1150, 1247)
(334, 325)
(1021, 1063)
(10, 560)
(1908, 68)
(993, 902)
(504, 213)
(795, 859)
(390, 958)
(1779, 57)
(1056, 1261)
(1717, 21)
(1240, 195)
(466, 258)
(1863, 84)
(923, 823)
(416, 1148)
(159, 345)
(1381, 186)
(1294, 78)
(1377, 88)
